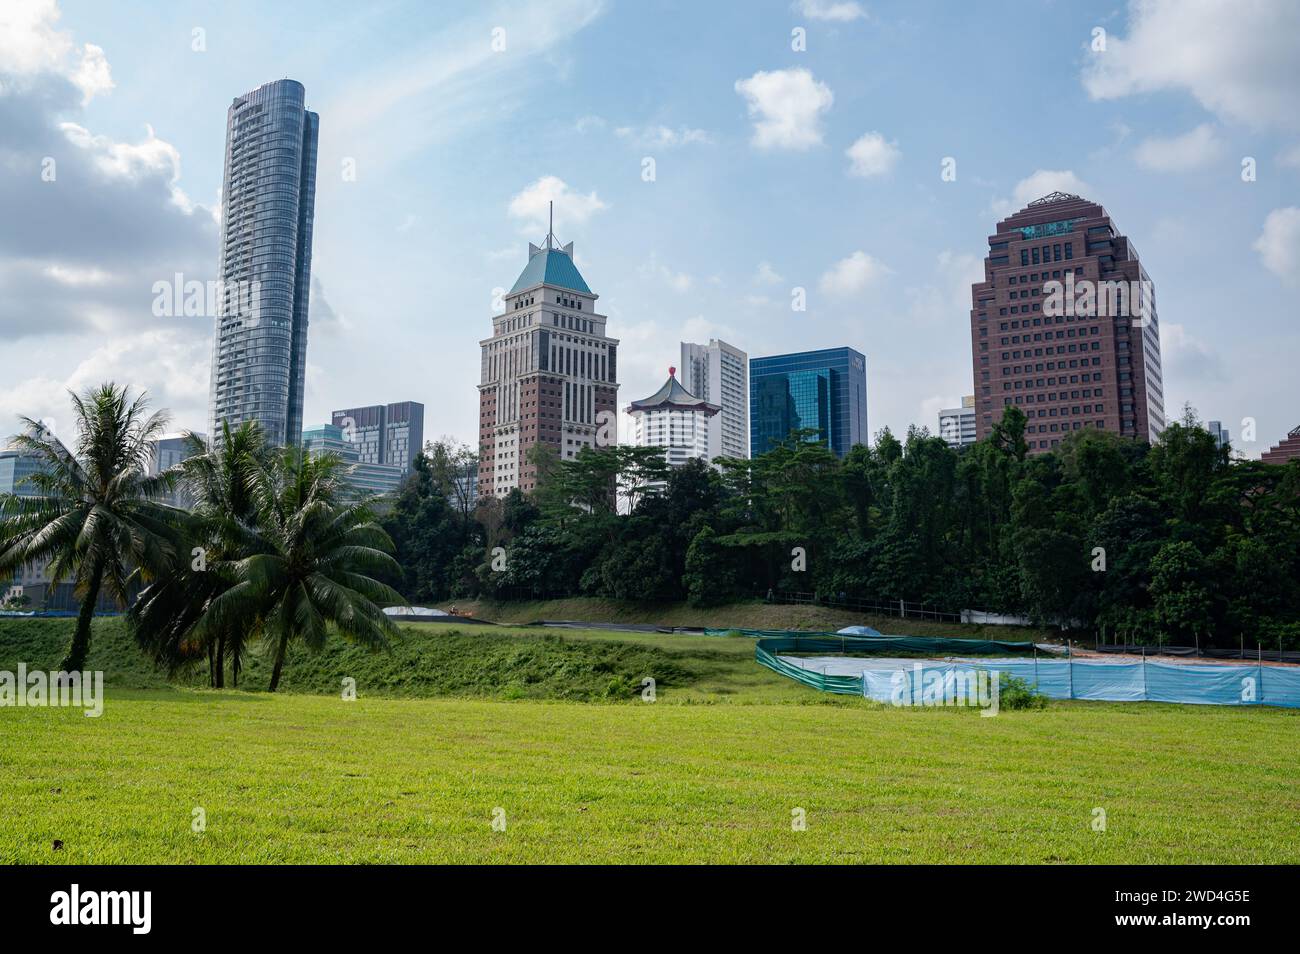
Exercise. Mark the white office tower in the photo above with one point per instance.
(719, 373)
(674, 419)
(957, 424)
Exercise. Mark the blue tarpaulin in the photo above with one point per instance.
(861, 665)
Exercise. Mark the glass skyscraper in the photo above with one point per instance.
(825, 391)
(268, 201)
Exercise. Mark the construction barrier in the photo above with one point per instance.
(848, 672)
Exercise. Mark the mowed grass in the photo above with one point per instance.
(709, 773)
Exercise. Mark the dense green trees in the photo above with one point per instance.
(272, 551)
(97, 519)
(1170, 542)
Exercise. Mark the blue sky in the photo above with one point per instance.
(774, 168)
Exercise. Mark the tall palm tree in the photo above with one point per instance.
(98, 519)
(307, 563)
(168, 619)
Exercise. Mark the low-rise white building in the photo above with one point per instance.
(957, 424)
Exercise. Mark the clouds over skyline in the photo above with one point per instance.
(1241, 61)
(1038, 184)
(1279, 244)
(839, 11)
(532, 205)
(776, 169)
(852, 275)
(787, 108)
(1194, 149)
(872, 155)
(90, 224)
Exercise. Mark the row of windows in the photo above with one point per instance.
(1041, 254)
(1054, 382)
(1059, 349)
(1042, 322)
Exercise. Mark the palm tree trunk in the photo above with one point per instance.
(279, 660)
(221, 662)
(75, 658)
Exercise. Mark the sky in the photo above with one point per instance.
(710, 161)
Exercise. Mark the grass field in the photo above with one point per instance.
(709, 773)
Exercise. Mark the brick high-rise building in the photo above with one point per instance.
(1288, 449)
(1064, 326)
(549, 373)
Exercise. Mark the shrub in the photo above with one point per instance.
(1016, 693)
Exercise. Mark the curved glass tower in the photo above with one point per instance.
(268, 199)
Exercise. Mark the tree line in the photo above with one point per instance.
(274, 550)
(1174, 542)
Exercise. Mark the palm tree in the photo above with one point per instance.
(168, 619)
(98, 518)
(306, 563)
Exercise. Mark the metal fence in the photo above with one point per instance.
(878, 607)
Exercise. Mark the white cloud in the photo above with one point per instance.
(76, 277)
(1241, 61)
(677, 281)
(133, 161)
(92, 75)
(767, 275)
(1040, 183)
(851, 275)
(787, 106)
(662, 137)
(1279, 244)
(81, 252)
(1192, 150)
(1188, 357)
(172, 361)
(31, 44)
(530, 205)
(872, 155)
(841, 11)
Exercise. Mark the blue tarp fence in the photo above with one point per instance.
(1193, 684)
(1056, 678)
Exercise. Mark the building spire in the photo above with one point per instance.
(550, 225)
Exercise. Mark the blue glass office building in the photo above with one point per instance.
(823, 390)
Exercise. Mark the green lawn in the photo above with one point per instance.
(708, 773)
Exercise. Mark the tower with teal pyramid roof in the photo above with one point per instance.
(549, 372)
